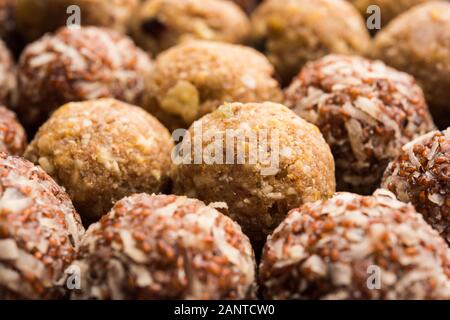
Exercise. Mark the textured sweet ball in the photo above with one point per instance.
(39, 232)
(161, 24)
(195, 78)
(13, 139)
(8, 81)
(355, 247)
(101, 151)
(293, 32)
(389, 9)
(418, 42)
(421, 175)
(34, 18)
(366, 112)
(165, 247)
(260, 159)
(76, 65)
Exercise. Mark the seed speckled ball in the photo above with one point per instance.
(8, 81)
(13, 139)
(355, 247)
(75, 65)
(39, 232)
(161, 24)
(293, 32)
(165, 247)
(418, 42)
(421, 175)
(34, 18)
(366, 112)
(271, 161)
(195, 78)
(101, 151)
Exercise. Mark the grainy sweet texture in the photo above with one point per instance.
(161, 24)
(355, 247)
(366, 112)
(273, 162)
(39, 232)
(34, 18)
(8, 81)
(195, 78)
(293, 32)
(101, 151)
(389, 9)
(13, 139)
(421, 175)
(165, 247)
(418, 42)
(75, 65)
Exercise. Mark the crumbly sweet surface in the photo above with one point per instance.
(418, 42)
(330, 249)
(13, 139)
(389, 8)
(36, 17)
(258, 193)
(165, 247)
(366, 112)
(75, 65)
(421, 175)
(39, 232)
(195, 78)
(293, 32)
(8, 81)
(101, 151)
(161, 24)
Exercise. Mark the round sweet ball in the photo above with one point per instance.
(165, 247)
(366, 112)
(34, 18)
(260, 159)
(195, 78)
(13, 139)
(389, 9)
(161, 24)
(76, 65)
(418, 42)
(8, 77)
(101, 151)
(421, 175)
(293, 32)
(39, 232)
(355, 247)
